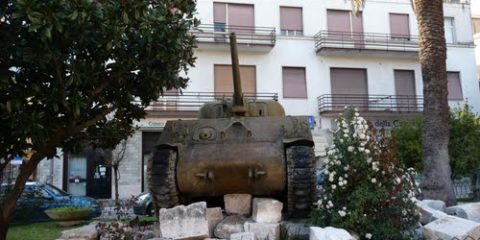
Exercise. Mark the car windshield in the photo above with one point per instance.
(55, 190)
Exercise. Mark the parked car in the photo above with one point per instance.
(143, 204)
(37, 197)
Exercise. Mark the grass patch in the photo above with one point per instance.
(37, 231)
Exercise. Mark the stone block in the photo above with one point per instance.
(470, 211)
(243, 236)
(456, 211)
(264, 231)
(438, 205)
(184, 221)
(238, 204)
(329, 233)
(214, 216)
(267, 210)
(87, 232)
(428, 214)
(229, 225)
(451, 227)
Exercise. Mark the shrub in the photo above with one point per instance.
(463, 145)
(365, 190)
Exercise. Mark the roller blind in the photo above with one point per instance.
(224, 79)
(454, 86)
(294, 82)
(291, 18)
(399, 25)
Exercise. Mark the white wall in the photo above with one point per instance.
(299, 51)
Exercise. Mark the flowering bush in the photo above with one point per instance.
(365, 189)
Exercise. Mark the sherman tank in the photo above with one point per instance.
(236, 145)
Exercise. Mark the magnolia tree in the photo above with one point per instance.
(365, 190)
(77, 73)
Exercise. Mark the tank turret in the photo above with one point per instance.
(239, 105)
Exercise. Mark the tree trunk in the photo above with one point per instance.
(437, 183)
(7, 207)
(115, 179)
(4, 229)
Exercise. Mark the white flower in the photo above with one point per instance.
(346, 167)
(361, 149)
(404, 212)
(350, 148)
(398, 180)
(374, 180)
(367, 151)
(345, 182)
(345, 135)
(334, 186)
(341, 140)
(356, 114)
(362, 136)
(369, 160)
(368, 235)
(330, 203)
(342, 213)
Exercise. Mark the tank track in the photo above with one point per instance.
(161, 179)
(301, 185)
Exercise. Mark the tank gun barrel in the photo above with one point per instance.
(237, 85)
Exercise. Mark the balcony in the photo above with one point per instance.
(251, 39)
(329, 105)
(187, 104)
(328, 43)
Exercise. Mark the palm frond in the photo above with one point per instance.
(357, 6)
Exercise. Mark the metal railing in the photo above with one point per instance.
(218, 33)
(193, 101)
(366, 41)
(370, 103)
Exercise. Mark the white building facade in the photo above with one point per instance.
(314, 57)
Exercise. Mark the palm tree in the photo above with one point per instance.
(437, 183)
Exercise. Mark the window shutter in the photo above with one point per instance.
(294, 82)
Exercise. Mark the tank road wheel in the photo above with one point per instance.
(301, 185)
(161, 179)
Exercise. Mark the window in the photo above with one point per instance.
(454, 86)
(233, 17)
(294, 83)
(449, 30)
(399, 26)
(224, 80)
(405, 90)
(291, 21)
(345, 26)
(476, 25)
(349, 87)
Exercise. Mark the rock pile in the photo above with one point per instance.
(244, 218)
(456, 222)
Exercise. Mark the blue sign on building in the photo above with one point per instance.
(311, 122)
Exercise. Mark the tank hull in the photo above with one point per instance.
(232, 155)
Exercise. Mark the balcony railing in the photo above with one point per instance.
(365, 41)
(188, 103)
(334, 103)
(219, 33)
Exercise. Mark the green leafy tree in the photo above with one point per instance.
(80, 72)
(409, 143)
(463, 145)
(365, 189)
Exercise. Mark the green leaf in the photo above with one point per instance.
(74, 15)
